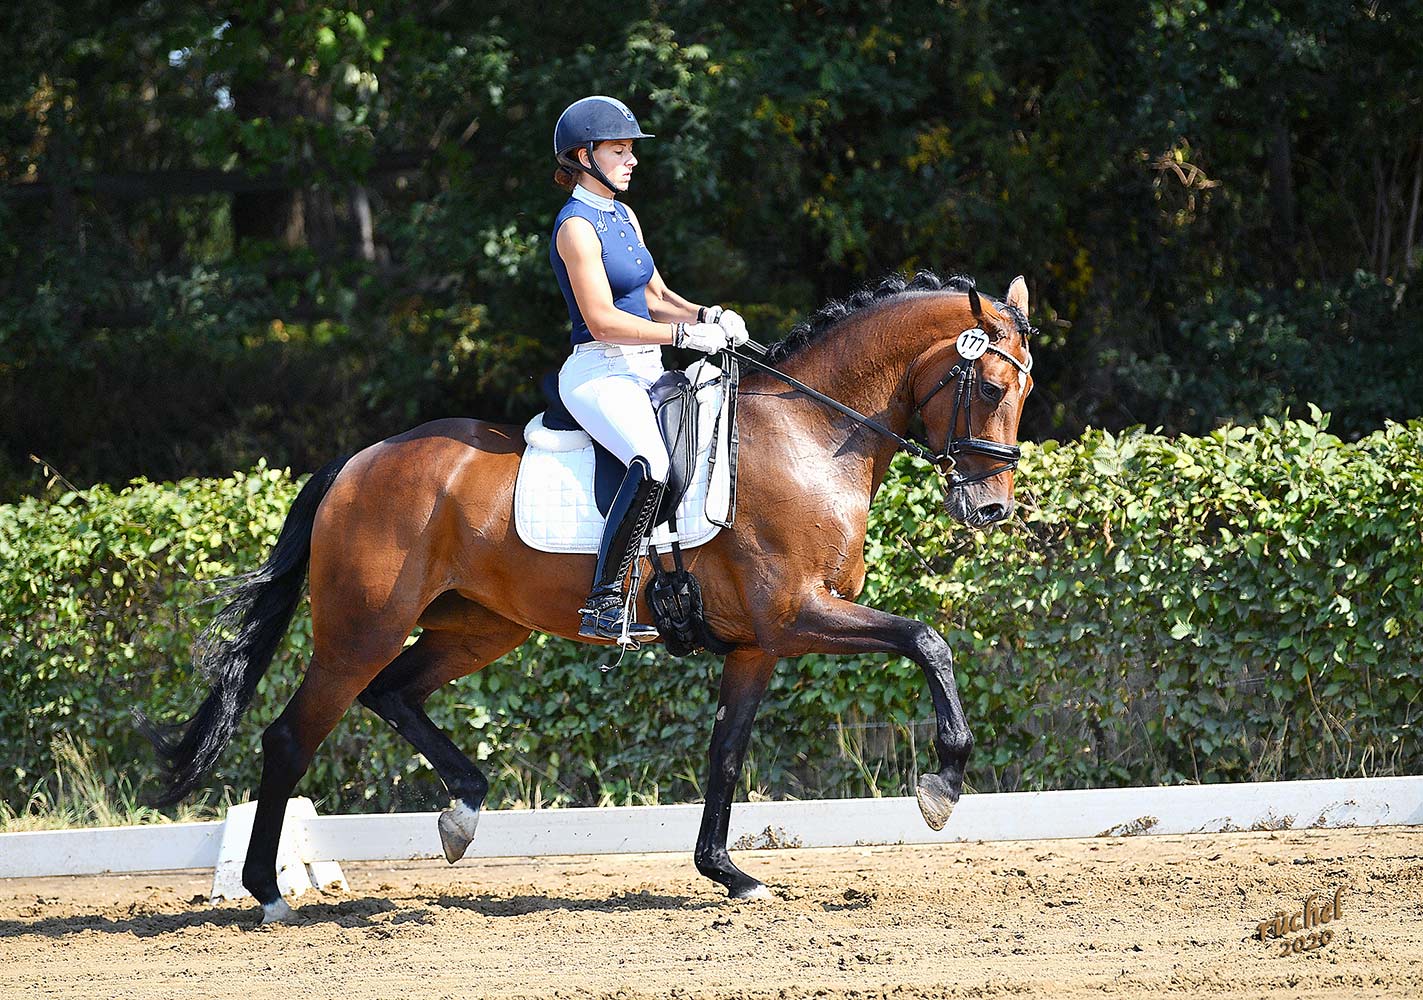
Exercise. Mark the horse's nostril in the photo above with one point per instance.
(990, 513)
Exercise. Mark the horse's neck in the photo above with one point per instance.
(864, 363)
(861, 363)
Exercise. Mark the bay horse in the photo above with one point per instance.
(418, 530)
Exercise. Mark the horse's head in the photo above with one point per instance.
(970, 387)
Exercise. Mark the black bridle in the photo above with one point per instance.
(963, 374)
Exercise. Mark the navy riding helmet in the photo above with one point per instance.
(588, 122)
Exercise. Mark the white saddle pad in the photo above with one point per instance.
(554, 506)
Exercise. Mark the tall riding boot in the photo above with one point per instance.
(628, 520)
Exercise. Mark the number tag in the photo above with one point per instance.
(972, 343)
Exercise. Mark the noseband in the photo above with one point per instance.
(963, 374)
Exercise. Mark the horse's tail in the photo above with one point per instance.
(235, 650)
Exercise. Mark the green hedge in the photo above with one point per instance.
(1242, 605)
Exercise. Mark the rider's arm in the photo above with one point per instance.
(582, 254)
(666, 305)
(662, 303)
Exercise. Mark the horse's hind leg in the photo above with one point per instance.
(398, 695)
(287, 748)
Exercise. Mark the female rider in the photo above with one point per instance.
(622, 312)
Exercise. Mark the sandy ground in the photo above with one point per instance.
(1064, 919)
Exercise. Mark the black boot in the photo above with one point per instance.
(628, 520)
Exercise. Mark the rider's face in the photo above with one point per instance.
(615, 158)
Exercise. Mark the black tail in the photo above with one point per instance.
(234, 651)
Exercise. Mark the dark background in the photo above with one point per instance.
(231, 231)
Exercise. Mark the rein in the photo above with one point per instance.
(963, 374)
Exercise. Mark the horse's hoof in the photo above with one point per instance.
(936, 800)
(757, 891)
(457, 826)
(278, 913)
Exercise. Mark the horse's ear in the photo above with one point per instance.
(975, 306)
(1018, 295)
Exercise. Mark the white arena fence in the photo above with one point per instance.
(313, 846)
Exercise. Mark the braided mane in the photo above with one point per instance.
(828, 316)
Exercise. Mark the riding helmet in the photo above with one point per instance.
(588, 122)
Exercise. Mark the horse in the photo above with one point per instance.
(417, 530)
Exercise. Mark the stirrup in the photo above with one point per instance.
(607, 621)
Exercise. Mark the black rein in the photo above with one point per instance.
(963, 374)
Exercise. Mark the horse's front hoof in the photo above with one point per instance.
(936, 800)
(457, 826)
(755, 891)
(279, 912)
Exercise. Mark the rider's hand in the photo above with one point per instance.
(708, 338)
(729, 321)
(734, 326)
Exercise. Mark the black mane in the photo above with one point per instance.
(828, 316)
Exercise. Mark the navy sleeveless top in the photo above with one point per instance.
(625, 258)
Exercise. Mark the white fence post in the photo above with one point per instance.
(293, 876)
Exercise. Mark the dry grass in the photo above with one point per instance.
(84, 791)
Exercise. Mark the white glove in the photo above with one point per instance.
(735, 328)
(709, 338)
(730, 321)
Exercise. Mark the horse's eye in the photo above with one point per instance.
(991, 392)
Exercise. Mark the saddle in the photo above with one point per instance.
(566, 484)
(675, 404)
(566, 481)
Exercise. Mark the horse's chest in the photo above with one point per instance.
(838, 543)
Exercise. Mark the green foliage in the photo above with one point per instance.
(1355, 349)
(85, 789)
(1242, 605)
(1236, 606)
(1191, 189)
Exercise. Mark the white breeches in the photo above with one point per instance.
(605, 387)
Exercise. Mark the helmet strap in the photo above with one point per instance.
(595, 171)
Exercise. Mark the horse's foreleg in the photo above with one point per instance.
(743, 682)
(398, 695)
(832, 625)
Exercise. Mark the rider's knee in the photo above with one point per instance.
(657, 465)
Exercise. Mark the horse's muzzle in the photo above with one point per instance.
(989, 513)
(966, 507)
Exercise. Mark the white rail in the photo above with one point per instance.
(310, 840)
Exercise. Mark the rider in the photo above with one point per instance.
(622, 312)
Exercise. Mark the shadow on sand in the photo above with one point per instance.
(365, 912)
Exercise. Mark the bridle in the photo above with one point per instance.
(963, 374)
